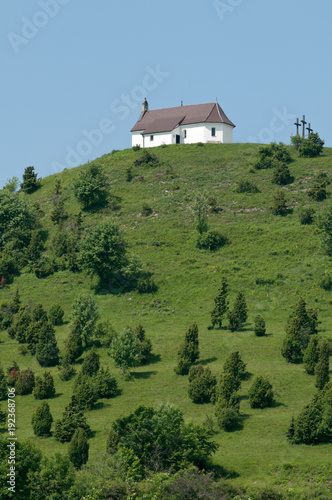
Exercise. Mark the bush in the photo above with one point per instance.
(91, 363)
(47, 352)
(202, 384)
(73, 417)
(324, 227)
(92, 187)
(279, 206)
(106, 385)
(42, 420)
(146, 284)
(25, 382)
(146, 210)
(30, 182)
(246, 187)
(326, 282)
(59, 213)
(189, 351)
(66, 371)
(311, 147)
(44, 267)
(318, 191)
(228, 418)
(129, 174)
(44, 387)
(85, 392)
(146, 344)
(282, 175)
(259, 328)
(260, 393)
(147, 159)
(211, 240)
(56, 315)
(136, 148)
(306, 216)
(272, 155)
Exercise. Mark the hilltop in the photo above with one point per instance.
(274, 260)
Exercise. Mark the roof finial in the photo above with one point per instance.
(217, 100)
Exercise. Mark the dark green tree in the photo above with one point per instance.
(47, 352)
(189, 350)
(91, 187)
(42, 420)
(271, 155)
(16, 302)
(318, 191)
(126, 350)
(91, 363)
(324, 228)
(106, 385)
(25, 382)
(34, 250)
(323, 366)
(59, 213)
(310, 357)
(104, 250)
(279, 206)
(3, 385)
(260, 393)
(282, 175)
(79, 448)
(19, 327)
(146, 344)
(85, 308)
(227, 417)
(74, 343)
(260, 328)
(54, 478)
(30, 182)
(235, 365)
(44, 387)
(73, 417)
(220, 304)
(85, 392)
(39, 314)
(56, 314)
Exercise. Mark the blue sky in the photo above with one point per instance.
(74, 71)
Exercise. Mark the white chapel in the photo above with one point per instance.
(182, 125)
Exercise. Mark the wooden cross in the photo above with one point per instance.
(304, 123)
(297, 124)
(309, 130)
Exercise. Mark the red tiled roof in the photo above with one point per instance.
(165, 120)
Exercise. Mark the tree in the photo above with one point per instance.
(16, 215)
(47, 352)
(238, 316)
(106, 385)
(54, 478)
(73, 417)
(91, 187)
(160, 440)
(260, 393)
(85, 392)
(25, 382)
(86, 310)
(12, 185)
(91, 363)
(126, 350)
(220, 304)
(3, 385)
(30, 182)
(311, 147)
(227, 417)
(202, 384)
(189, 350)
(56, 314)
(16, 302)
(271, 155)
(200, 209)
(324, 228)
(74, 345)
(235, 365)
(318, 191)
(34, 250)
(44, 387)
(42, 420)
(104, 250)
(323, 365)
(146, 344)
(260, 328)
(310, 357)
(279, 206)
(79, 448)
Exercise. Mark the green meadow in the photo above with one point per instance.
(274, 260)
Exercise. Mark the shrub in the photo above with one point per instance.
(318, 191)
(146, 210)
(311, 147)
(260, 393)
(3, 385)
(326, 282)
(271, 155)
(279, 206)
(228, 418)
(282, 175)
(246, 187)
(47, 352)
(25, 382)
(91, 187)
(74, 345)
(79, 448)
(56, 315)
(220, 304)
(106, 385)
(235, 365)
(189, 350)
(323, 365)
(44, 387)
(73, 417)
(30, 182)
(59, 213)
(310, 357)
(202, 384)
(85, 392)
(137, 147)
(126, 350)
(129, 174)
(147, 159)
(42, 420)
(146, 344)
(44, 267)
(259, 328)
(324, 227)
(306, 216)
(211, 240)
(86, 311)
(91, 363)
(146, 284)
(66, 371)
(238, 316)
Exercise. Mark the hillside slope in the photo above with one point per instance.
(273, 259)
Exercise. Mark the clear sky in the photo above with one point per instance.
(75, 72)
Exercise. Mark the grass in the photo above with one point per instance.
(274, 260)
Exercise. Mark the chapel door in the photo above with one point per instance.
(178, 139)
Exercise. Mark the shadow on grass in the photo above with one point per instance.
(57, 395)
(153, 358)
(276, 404)
(247, 376)
(221, 472)
(206, 361)
(142, 375)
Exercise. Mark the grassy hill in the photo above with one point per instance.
(273, 259)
